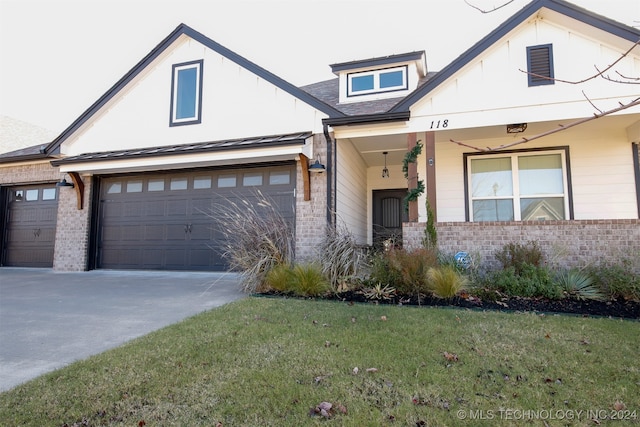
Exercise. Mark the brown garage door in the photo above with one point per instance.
(30, 227)
(167, 221)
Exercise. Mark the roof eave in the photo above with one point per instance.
(399, 116)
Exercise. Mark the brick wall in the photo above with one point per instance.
(33, 173)
(564, 243)
(72, 230)
(311, 215)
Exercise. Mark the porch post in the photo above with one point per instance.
(430, 151)
(412, 177)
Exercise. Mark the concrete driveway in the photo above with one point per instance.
(49, 319)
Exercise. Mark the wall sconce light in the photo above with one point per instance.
(317, 167)
(516, 128)
(63, 183)
(385, 170)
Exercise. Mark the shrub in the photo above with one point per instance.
(279, 278)
(411, 268)
(579, 284)
(617, 280)
(256, 238)
(446, 281)
(342, 260)
(520, 256)
(532, 281)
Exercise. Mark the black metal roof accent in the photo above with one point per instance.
(583, 15)
(376, 62)
(159, 49)
(368, 118)
(200, 147)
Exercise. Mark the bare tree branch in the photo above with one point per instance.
(488, 11)
(556, 130)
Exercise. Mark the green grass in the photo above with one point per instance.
(267, 362)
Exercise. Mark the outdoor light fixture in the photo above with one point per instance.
(317, 167)
(516, 128)
(64, 183)
(385, 170)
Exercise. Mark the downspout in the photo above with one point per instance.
(330, 175)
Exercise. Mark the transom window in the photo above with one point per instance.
(521, 186)
(386, 80)
(186, 93)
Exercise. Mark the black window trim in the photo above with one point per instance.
(200, 65)
(538, 81)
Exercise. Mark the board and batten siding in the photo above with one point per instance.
(351, 191)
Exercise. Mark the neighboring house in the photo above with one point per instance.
(193, 125)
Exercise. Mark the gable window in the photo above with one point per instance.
(369, 82)
(540, 65)
(520, 186)
(186, 93)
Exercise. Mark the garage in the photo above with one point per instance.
(30, 226)
(166, 221)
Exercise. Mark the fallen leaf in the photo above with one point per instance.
(327, 344)
(547, 336)
(451, 357)
(141, 423)
(355, 371)
(619, 406)
(383, 318)
(372, 369)
(353, 320)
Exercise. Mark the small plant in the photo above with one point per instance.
(379, 293)
(279, 278)
(341, 258)
(617, 280)
(579, 284)
(531, 282)
(308, 280)
(446, 281)
(430, 240)
(412, 268)
(518, 256)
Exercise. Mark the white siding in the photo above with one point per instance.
(235, 104)
(351, 191)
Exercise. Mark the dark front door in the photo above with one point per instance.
(388, 215)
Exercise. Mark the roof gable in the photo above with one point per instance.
(560, 6)
(165, 44)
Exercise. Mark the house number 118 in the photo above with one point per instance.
(439, 124)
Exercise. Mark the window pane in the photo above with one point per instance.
(114, 187)
(391, 79)
(362, 83)
(134, 187)
(18, 195)
(32, 195)
(493, 210)
(540, 175)
(226, 181)
(279, 177)
(252, 179)
(542, 208)
(491, 177)
(48, 194)
(201, 182)
(186, 93)
(178, 184)
(155, 185)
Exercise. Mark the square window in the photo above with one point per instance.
(520, 186)
(18, 195)
(134, 187)
(186, 93)
(114, 188)
(155, 184)
(360, 83)
(252, 179)
(178, 184)
(279, 177)
(32, 195)
(391, 79)
(226, 181)
(49, 193)
(201, 182)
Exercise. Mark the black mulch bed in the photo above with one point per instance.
(585, 308)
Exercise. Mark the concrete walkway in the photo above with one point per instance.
(49, 319)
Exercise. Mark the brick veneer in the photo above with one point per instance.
(565, 243)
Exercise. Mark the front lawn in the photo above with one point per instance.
(273, 362)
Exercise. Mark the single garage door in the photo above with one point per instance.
(167, 221)
(30, 226)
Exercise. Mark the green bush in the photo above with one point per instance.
(446, 281)
(617, 280)
(279, 278)
(520, 256)
(410, 268)
(308, 280)
(532, 281)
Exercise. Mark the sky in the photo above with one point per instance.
(57, 57)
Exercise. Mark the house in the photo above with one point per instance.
(505, 149)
